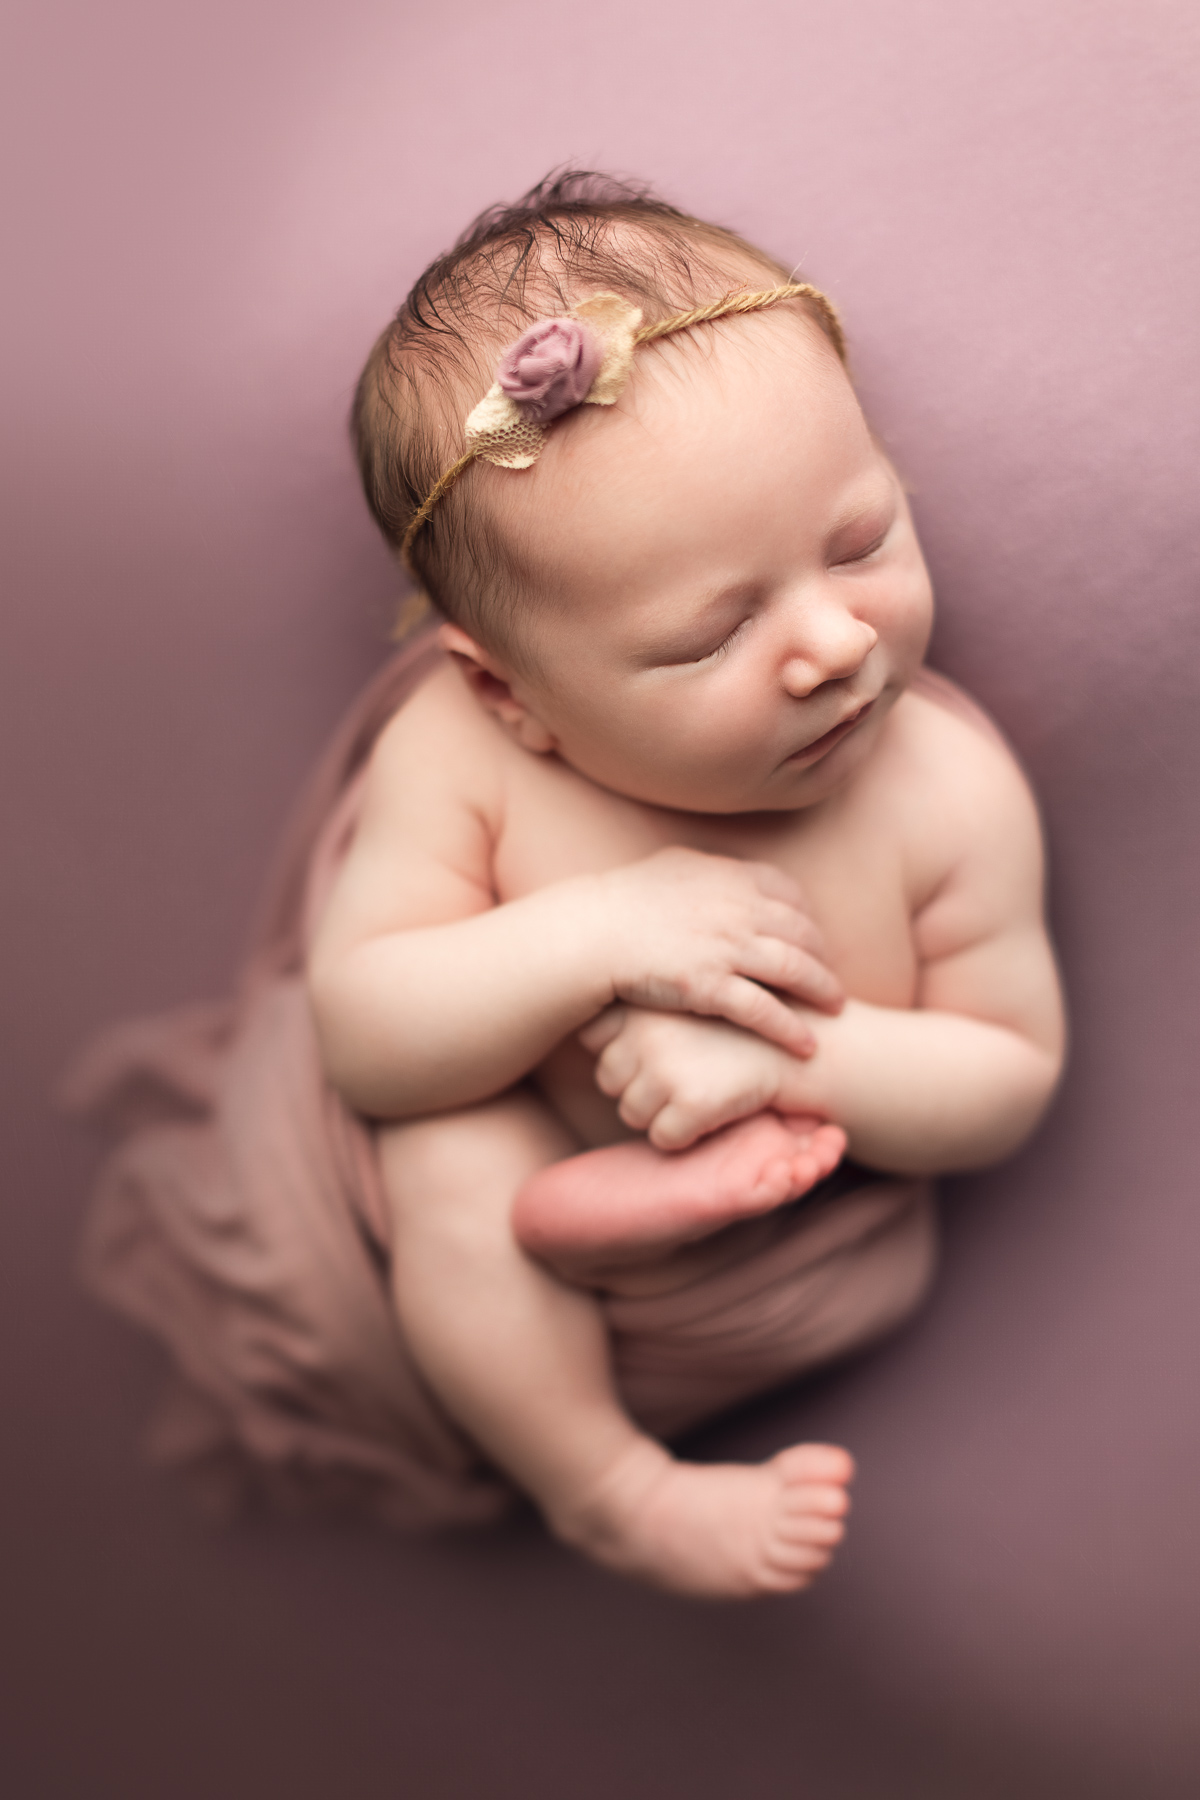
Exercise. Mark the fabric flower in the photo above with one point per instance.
(550, 368)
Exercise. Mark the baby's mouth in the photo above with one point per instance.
(821, 746)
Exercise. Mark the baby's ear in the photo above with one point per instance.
(492, 685)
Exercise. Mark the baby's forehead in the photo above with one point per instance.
(719, 363)
(701, 383)
(702, 452)
(737, 379)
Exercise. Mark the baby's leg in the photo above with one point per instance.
(629, 1201)
(522, 1361)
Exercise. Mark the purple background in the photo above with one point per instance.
(215, 208)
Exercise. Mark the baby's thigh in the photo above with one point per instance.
(469, 1164)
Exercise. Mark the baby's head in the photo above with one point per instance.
(686, 584)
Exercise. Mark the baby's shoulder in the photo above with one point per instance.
(950, 780)
(940, 739)
(440, 741)
(946, 707)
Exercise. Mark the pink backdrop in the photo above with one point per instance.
(214, 210)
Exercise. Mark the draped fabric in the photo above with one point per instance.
(240, 1219)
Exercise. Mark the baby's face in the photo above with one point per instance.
(733, 595)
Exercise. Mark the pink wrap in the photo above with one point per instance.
(240, 1220)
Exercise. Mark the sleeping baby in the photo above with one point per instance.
(679, 878)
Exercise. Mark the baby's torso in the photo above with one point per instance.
(848, 857)
(867, 859)
(558, 824)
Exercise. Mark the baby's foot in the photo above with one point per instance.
(723, 1531)
(630, 1200)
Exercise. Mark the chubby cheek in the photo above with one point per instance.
(663, 754)
(695, 761)
(901, 614)
(910, 614)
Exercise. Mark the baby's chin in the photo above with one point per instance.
(795, 784)
(772, 794)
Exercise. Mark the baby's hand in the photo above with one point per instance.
(693, 933)
(678, 1078)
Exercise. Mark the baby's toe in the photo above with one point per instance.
(775, 1183)
(799, 1562)
(822, 1465)
(800, 1525)
(814, 1530)
(820, 1499)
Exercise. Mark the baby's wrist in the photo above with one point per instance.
(609, 933)
(599, 939)
(806, 1084)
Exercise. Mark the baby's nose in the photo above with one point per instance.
(830, 645)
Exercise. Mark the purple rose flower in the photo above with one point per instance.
(551, 368)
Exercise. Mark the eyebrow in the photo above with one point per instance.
(858, 506)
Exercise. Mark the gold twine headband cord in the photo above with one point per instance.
(501, 432)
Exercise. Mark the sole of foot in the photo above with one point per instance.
(631, 1197)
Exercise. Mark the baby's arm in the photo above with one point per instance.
(954, 1082)
(962, 1078)
(917, 1092)
(428, 995)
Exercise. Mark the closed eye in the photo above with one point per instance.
(860, 538)
(867, 551)
(725, 646)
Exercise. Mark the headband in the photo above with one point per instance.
(582, 359)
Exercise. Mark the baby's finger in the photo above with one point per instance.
(797, 972)
(815, 983)
(641, 1101)
(793, 926)
(673, 1128)
(603, 1029)
(615, 1068)
(745, 1003)
(682, 1122)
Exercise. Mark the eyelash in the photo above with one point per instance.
(723, 647)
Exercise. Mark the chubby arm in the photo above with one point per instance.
(428, 994)
(962, 1078)
(924, 1092)
(955, 1081)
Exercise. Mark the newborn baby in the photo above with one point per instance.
(681, 876)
